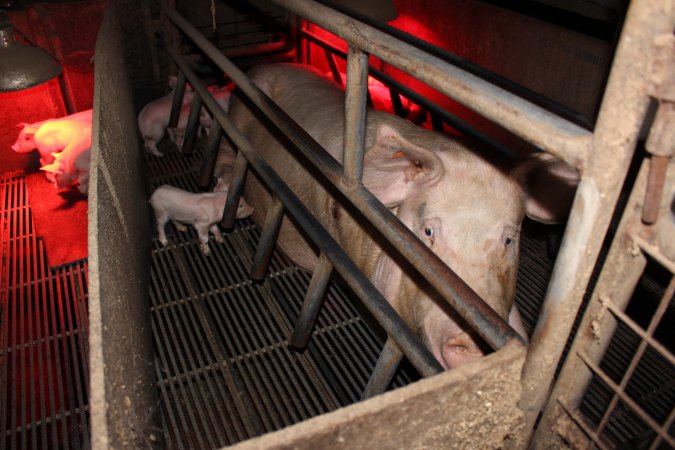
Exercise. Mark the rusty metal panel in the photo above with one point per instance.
(635, 246)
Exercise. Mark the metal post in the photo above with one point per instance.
(234, 192)
(355, 115)
(268, 238)
(177, 102)
(210, 155)
(384, 370)
(192, 125)
(312, 303)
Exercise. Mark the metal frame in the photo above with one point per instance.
(601, 156)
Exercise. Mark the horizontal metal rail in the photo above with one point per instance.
(378, 306)
(464, 300)
(433, 108)
(536, 125)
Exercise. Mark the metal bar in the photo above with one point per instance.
(637, 329)
(418, 355)
(384, 370)
(622, 112)
(268, 238)
(437, 112)
(234, 191)
(463, 299)
(192, 125)
(355, 115)
(535, 124)
(657, 178)
(666, 426)
(330, 59)
(396, 102)
(653, 323)
(177, 101)
(312, 303)
(210, 155)
(644, 416)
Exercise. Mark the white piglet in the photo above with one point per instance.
(154, 117)
(201, 210)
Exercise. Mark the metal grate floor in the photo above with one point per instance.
(225, 369)
(43, 335)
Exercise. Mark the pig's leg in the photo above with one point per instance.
(217, 235)
(179, 226)
(203, 234)
(151, 146)
(162, 219)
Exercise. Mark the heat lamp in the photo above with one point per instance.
(22, 66)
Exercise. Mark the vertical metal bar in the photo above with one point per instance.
(330, 59)
(210, 155)
(312, 303)
(268, 238)
(396, 103)
(192, 125)
(177, 102)
(234, 191)
(355, 115)
(621, 116)
(384, 370)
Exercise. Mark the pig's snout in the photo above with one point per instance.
(459, 350)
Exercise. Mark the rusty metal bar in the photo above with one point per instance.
(234, 191)
(312, 303)
(662, 432)
(381, 310)
(355, 115)
(460, 297)
(642, 347)
(268, 238)
(192, 125)
(542, 128)
(661, 145)
(438, 113)
(622, 112)
(335, 72)
(177, 101)
(384, 370)
(210, 155)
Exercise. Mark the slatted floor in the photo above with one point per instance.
(43, 335)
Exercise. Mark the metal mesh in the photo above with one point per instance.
(43, 335)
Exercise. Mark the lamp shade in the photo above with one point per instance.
(22, 66)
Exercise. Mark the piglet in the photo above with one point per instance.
(72, 164)
(51, 135)
(203, 211)
(222, 97)
(154, 117)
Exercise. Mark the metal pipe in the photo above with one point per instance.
(177, 101)
(312, 303)
(234, 191)
(210, 155)
(268, 238)
(192, 124)
(438, 113)
(378, 306)
(460, 297)
(384, 370)
(355, 115)
(542, 128)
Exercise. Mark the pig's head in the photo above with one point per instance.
(26, 141)
(244, 210)
(466, 211)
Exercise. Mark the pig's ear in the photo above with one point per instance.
(173, 79)
(394, 167)
(550, 185)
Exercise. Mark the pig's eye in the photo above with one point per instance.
(508, 241)
(429, 232)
